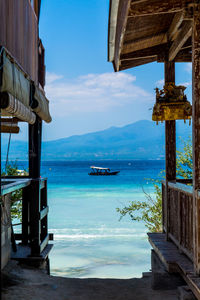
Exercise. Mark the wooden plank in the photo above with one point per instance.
(9, 129)
(187, 189)
(183, 249)
(14, 185)
(184, 181)
(196, 135)
(44, 243)
(120, 29)
(19, 34)
(175, 261)
(178, 19)
(44, 212)
(182, 37)
(144, 43)
(144, 53)
(155, 7)
(183, 56)
(135, 62)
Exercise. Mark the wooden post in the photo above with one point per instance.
(35, 228)
(35, 135)
(0, 216)
(170, 143)
(196, 135)
(26, 214)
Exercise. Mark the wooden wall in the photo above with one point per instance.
(19, 33)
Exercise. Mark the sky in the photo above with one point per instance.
(85, 93)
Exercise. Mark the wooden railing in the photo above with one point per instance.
(34, 216)
(34, 229)
(178, 215)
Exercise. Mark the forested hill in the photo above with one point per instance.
(140, 140)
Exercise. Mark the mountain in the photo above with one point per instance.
(140, 140)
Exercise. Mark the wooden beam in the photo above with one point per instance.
(9, 129)
(136, 62)
(35, 225)
(182, 37)
(144, 43)
(138, 1)
(35, 135)
(196, 135)
(144, 53)
(120, 30)
(170, 145)
(182, 56)
(9, 120)
(0, 214)
(155, 7)
(170, 130)
(177, 20)
(25, 214)
(36, 7)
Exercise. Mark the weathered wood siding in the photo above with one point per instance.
(19, 33)
(180, 216)
(196, 134)
(5, 231)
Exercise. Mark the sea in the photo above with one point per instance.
(90, 240)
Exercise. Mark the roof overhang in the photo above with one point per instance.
(113, 10)
(143, 31)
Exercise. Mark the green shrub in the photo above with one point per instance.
(150, 209)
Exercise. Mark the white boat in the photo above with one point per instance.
(98, 171)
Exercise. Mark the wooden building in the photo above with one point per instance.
(167, 31)
(22, 99)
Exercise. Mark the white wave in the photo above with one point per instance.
(97, 230)
(95, 236)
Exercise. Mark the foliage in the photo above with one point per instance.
(184, 161)
(150, 210)
(16, 204)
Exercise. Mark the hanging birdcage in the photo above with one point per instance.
(171, 104)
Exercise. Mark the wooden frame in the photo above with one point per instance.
(169, 32)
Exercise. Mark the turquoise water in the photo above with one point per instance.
(89, 239)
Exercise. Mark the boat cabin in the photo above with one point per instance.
(167, 32)
(102, 171)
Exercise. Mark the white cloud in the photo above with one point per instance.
(188, 67)
(93, 93)
(160, 83)
(51, 77)
(186, 84)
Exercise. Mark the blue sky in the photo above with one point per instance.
(84, 92)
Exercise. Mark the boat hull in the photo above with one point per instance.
(104, 174)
